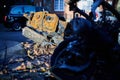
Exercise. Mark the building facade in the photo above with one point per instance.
(61, 8)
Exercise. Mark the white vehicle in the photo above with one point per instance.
(108, 16)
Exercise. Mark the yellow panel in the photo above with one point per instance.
(37, 20)
(50, 23)
(43, 21)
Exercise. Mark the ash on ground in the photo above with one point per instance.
(34, 65)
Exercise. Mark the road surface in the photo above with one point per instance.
(10, 44)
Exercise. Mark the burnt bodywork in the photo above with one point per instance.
(44, 29)
(44, 26)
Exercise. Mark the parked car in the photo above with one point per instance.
(15, 19)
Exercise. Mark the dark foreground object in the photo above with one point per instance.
(88, 52)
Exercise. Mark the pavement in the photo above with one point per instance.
(9, 48)
(14, 62)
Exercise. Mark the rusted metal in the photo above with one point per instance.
(44, 21)
(46, 30)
